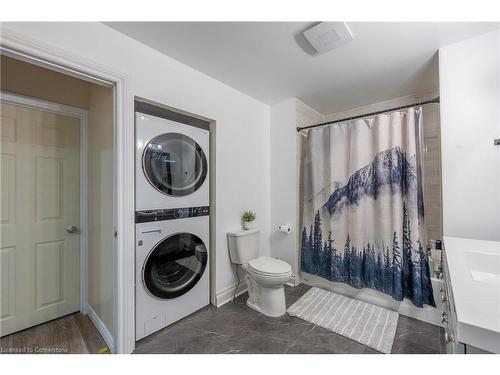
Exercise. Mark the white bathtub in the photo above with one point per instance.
(427, 313)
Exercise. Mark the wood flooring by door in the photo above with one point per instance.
(71, 334)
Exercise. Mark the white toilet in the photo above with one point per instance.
(265, 276)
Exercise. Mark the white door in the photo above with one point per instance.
(40, 199)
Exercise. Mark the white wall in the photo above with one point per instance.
(283, 179)
(285, 153)
(242, 123)
(469, 74)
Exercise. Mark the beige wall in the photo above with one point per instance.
(26, 79)
(432, 173)
(100, 203)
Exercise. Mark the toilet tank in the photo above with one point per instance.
(243, 245)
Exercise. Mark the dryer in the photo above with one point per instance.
(172, 268)
(172, 168)
(172, 216)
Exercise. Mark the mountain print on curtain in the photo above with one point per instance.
(367, 232)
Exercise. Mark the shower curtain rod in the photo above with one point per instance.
(433, 100)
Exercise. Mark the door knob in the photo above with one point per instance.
(71, 229)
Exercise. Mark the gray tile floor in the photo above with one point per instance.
(235, 328)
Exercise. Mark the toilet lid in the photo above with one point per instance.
(269, 266)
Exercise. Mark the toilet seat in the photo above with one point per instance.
(267, 266)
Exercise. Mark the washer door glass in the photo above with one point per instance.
(174, 164)
(175, 265)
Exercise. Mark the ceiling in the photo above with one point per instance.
(271, 62)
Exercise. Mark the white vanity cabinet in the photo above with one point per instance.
(449, 314)
(471, 296)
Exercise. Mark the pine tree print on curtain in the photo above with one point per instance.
(363, 206)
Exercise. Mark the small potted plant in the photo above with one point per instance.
(248, 219)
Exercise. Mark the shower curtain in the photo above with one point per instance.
(363, 214)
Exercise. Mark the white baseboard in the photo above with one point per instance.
(226, 295)
(101, 327)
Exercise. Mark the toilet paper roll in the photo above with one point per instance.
(285, 229)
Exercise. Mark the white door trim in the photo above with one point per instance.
(36, 52)
(82, 115)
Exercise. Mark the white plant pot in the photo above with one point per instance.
(248, 225)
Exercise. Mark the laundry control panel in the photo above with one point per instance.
(147, 216)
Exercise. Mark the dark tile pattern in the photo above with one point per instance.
(235, 328)
(416, 337)
(73, 334)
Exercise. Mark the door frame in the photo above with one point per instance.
(33, 51)
(82, 115)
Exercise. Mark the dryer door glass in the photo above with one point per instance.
(174, 164)
(175, 265)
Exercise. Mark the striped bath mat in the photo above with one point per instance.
(360, 321)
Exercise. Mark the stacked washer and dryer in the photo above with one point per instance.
(172, 217)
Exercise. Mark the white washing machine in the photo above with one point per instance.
(172, 217)
(172, 268)
(172, 168)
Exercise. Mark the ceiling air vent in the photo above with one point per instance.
(326, 36)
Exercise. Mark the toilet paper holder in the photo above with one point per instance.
(284, 229)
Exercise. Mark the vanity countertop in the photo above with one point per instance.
(474, 269)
